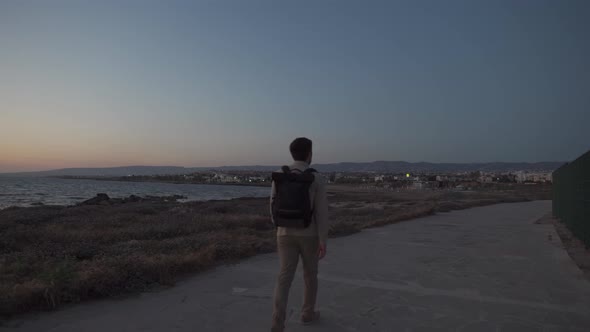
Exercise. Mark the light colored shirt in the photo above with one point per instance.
(319, 203)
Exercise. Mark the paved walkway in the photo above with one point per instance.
(483, 269)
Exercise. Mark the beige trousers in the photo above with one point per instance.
(290, 248)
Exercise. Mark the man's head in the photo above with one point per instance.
(301, 149)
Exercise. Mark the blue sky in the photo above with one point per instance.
(203, 83)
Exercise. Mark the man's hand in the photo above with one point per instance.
(322, 250)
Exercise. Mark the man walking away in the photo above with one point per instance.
(299, 210)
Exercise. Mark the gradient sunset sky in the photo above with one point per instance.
(208, 83)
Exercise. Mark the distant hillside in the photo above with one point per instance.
(376, 166)
(402, 166)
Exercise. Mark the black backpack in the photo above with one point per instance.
(291, 206)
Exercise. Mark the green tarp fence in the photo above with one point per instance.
(571, 196)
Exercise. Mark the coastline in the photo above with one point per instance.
(127, 179)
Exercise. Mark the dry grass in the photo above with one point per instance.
(50, 255)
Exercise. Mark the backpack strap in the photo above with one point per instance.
(307, 171)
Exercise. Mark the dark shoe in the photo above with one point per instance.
(307, 319)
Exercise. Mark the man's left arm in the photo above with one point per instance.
(321, 214)
(273, 193)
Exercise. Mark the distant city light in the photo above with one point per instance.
(408, 175)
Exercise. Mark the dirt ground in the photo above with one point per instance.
(52, 255)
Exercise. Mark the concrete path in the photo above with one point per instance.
(483, 269)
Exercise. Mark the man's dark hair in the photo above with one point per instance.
(300, 148)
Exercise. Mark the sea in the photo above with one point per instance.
(30, 191)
